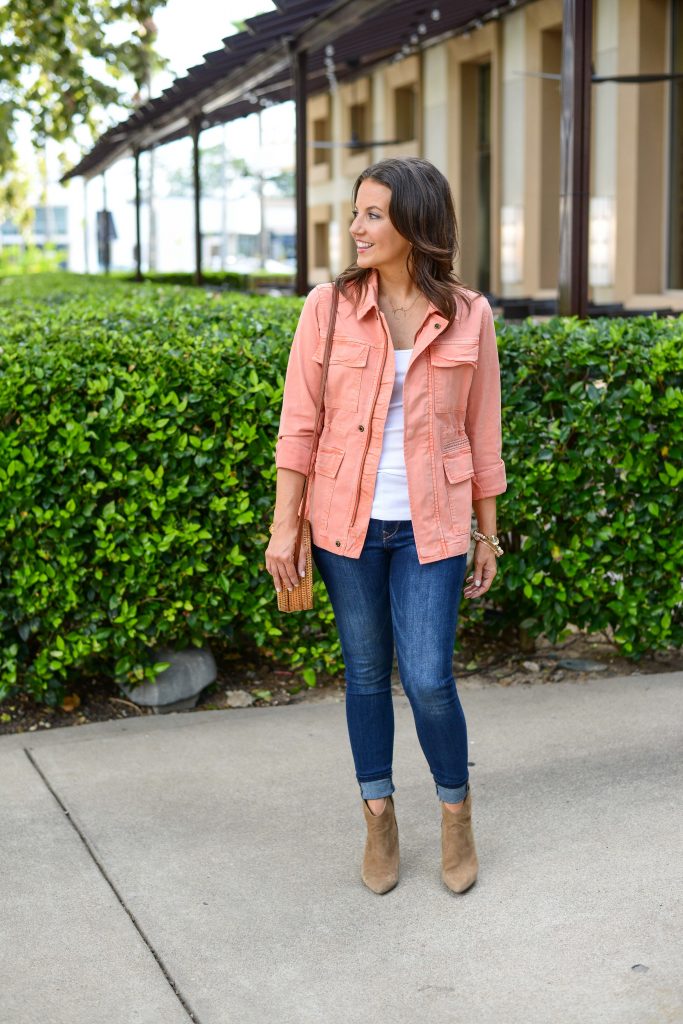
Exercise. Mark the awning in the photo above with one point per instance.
(256, 65)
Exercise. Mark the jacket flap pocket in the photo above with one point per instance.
(461, 350)
(458, 466)
(350, 353)
(328, 460)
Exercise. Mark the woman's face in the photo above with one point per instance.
(378, 243)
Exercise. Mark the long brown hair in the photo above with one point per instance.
(421, 209)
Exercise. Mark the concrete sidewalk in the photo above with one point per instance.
(205, 867)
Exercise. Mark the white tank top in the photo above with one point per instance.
(391, 490)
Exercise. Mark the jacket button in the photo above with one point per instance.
(361, 427)
(338, 543)
(436, 326)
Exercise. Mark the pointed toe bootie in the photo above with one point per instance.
(379, 870)
(458, 853)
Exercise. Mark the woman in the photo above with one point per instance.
(411, 440)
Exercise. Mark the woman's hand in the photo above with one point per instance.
(485, 569)
(280, 557)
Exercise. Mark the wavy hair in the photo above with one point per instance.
(421, 209)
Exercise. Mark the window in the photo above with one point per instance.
(484, 176)
(675, 218)
(405, 112)
(359, 123)
(321, 133)
(54, 216)
(321, 244)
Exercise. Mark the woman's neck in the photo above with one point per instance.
(396, 283)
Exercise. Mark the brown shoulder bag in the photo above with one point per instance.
(300, 598)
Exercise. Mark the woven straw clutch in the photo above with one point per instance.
(300, 598)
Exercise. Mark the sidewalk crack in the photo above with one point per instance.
(103, 871)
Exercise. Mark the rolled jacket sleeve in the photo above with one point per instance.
(483, 416)
(301, 391)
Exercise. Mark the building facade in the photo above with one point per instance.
(477, 105)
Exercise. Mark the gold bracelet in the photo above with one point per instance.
(489, 539)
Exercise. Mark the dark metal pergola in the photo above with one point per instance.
(281, 56)
(284, 55)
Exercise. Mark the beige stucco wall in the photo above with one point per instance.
(464, 54)
(641, 152)
(629, 131)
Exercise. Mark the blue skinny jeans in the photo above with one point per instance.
(386, 596)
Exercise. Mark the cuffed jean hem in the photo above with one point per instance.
(376, 789)
(451, 795)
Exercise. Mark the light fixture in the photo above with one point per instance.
(435, 14)
(414, 39)
(422, 28)
(601, 241)
(511, 244)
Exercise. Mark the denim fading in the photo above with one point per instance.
(383, 598)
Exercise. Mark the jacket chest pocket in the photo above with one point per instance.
(453, 364)
(348, 360)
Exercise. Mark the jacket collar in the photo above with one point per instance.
(371, 300)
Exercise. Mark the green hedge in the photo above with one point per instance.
(30, 259)
(256, 280)
(593, 437)
(137, 478)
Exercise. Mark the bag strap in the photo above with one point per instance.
(317, 428)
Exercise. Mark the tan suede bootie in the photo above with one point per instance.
(379, 870)
(458, 853)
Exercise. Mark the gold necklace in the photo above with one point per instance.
(402, 311)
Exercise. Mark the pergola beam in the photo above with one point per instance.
(245, 78)
(299, 68)
(197, 196)
(577, 36)
(344, 16)
(138, 241)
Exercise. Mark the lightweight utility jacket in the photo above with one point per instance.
(451, 409)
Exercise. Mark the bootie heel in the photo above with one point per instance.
(379, 870)
(458, 853)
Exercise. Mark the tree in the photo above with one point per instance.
(180, 180)
(55, 57)
(216, 169)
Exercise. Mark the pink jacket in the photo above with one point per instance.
(452, 426)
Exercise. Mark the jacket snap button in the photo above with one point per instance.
(361, 427)
(338, 543)
(436, 326)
